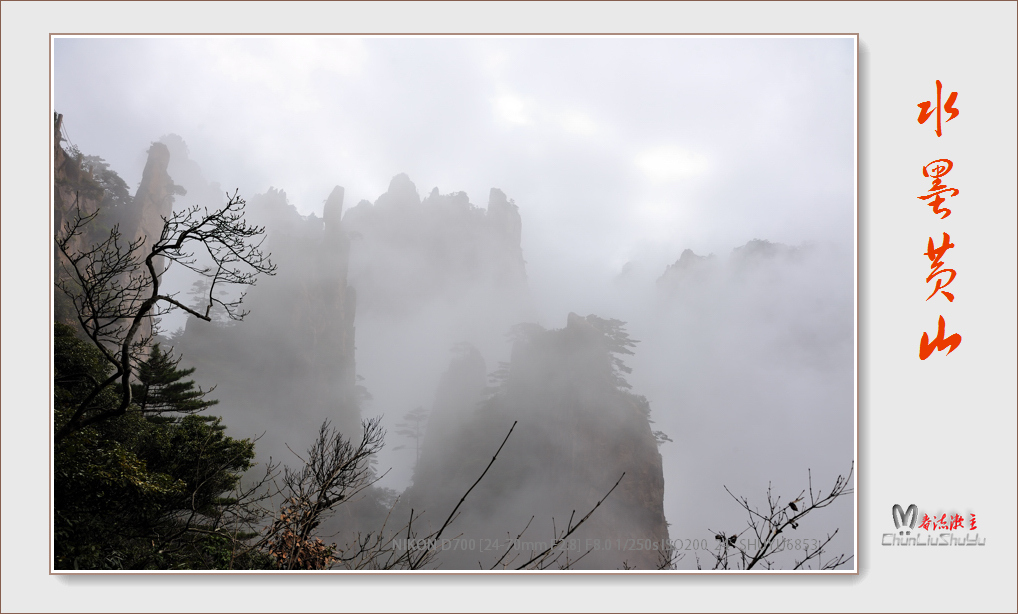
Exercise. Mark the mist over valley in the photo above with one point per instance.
(592, 243)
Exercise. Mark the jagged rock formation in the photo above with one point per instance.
(761, 249)
(293, 355)
(408, 251)
(290, 363)
(757, 262)
(188, 174)
(752, 256)
(73, 186)
(87, 183)
(792, 296)
(688, 264)
(577, 432)
(155, 196)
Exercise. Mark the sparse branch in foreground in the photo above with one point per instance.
(378, 550)
(438, 534)
(544, 558)
(768, 527)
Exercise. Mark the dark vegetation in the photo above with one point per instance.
(143, 489)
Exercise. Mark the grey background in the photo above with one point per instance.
(895, 50)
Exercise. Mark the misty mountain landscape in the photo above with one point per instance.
(565, 322)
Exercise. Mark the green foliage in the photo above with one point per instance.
(91, 184)
(143, 491)
(91, 178)
(161, 386)
(115, 192)
(78, 367)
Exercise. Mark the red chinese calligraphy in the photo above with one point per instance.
(926, 346)
(957, 522)
(935, 254)
(935, 170)
(925, 112)
(935, 197)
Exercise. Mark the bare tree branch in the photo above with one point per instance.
(540, 560)
(114, 287)
(770, 525)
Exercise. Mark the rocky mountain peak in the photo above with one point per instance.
(333, 211)
(576, 434)
(401, 193)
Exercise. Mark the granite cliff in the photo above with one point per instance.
(578, 431)
(293, 355)
(87, 183)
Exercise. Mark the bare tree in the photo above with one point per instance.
(769, 530)
(335, 470)
(115, 287)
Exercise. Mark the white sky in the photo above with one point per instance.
(615, 149)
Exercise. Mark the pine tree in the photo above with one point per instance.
(151, 489)
(618, 342)
(412, 428)
(161, 387)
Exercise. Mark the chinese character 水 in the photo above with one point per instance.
(925, 112)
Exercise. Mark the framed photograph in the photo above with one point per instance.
(455, 303)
